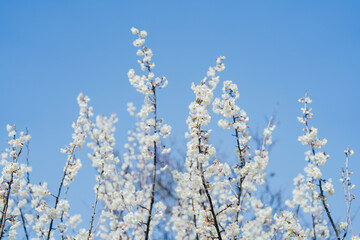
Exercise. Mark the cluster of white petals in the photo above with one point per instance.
(146, 82)
(13, 181)
(126, 187)
(30, 204)
(208, 197)
(196, 206)
(216, 201)
(312, 190)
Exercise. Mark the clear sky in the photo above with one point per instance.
(50, 51)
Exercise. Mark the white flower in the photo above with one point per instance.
(143, 33)
(139, 52)
(328, 187)
(223, 123)
(134, 30)
(9, 127)
(165, 130)
(342, 225)
(63, 205)
(139, 42)
(12, 133)
(131, 73)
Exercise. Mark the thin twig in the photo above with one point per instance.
(6, 205)
(210, 202)
(147, 232)
(96, 200)
(24, 224)
(59, 192)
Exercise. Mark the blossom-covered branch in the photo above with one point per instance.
(134, 197)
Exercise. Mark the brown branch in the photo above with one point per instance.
(227, 206)
(4, 211)
(59, 192)
(24, 224)
(323, 199)
(210, 202)
(96, 200)
(347, 190)
(193, 208)
(322, 196)
(314, 225)
(242, 164)
(6, 205)
(147, 232)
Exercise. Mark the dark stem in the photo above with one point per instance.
(24, 224)
(242, 160)
(4, 211)
(323, 200)
(322, 196)
(200, 168)
(62, 214)
(210, 202)
(147, 232)
(327, 210)
(58, 194)
(242, 164)
(192, 203)
(96, 200)
(3, 217)
(314, 225)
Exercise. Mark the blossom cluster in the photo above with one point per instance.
(213, 198)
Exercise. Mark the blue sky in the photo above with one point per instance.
(276, 50)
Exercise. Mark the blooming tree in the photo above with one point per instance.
(211, 198)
